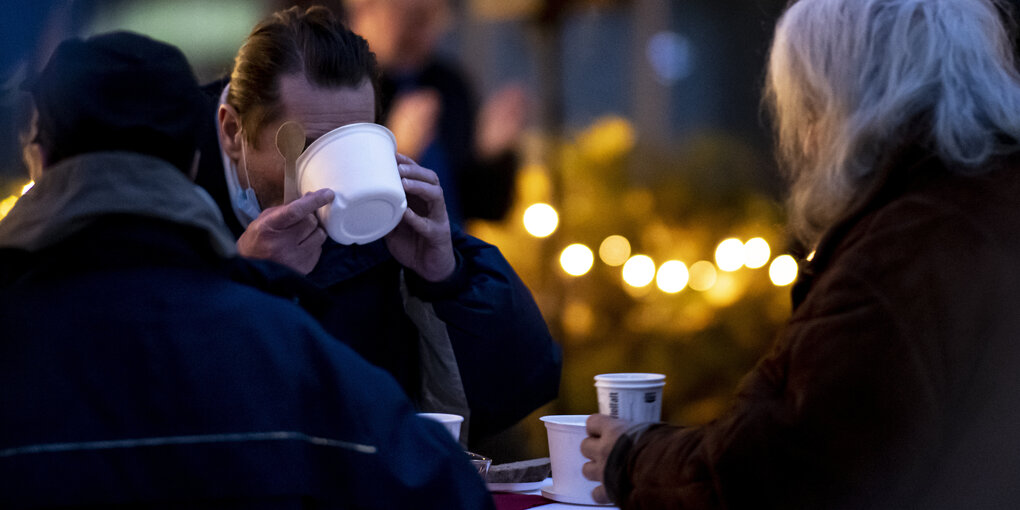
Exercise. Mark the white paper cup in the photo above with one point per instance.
(630, 396)
(569, 485)
(452, 422)
(359, 163)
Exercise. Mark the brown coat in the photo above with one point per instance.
(896, 383)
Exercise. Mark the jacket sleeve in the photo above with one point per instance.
(219, 396)
(508, 361)
(842, 414)
(414, 463)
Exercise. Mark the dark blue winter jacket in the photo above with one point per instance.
(140, 367)
(475, 345)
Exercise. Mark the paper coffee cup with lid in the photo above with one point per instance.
(630, 396)
(359, 163)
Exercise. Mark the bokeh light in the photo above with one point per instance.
(783, 270)
(727, 290)
(702, 275)
(6, 205)
(672, 276)
(614, 250)
(729, 255)
(541, 220)
(756, 253)
(639, 271)
(670, 55)
(577, 259)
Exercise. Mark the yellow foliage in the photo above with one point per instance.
(608, 139)
(578, 319)
(638, 203)
(6, 205)
(533, 184)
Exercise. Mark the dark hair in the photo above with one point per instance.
(313, 42)
(119, 91)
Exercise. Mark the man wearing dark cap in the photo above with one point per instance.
(139, 367)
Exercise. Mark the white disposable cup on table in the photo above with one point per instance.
(633, 396)
(359, 163)
(565, 432)
(452, 422)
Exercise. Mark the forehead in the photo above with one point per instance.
(323, 109)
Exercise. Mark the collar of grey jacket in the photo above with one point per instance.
(79, 189)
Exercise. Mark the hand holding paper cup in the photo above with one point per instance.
(635, 397)
(569, 485)
(358, 162)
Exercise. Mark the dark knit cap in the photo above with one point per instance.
(119, 91)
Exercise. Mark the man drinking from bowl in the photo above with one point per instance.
(443, 312)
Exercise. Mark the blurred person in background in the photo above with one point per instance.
(432, 108)
(443, 312)
(139, 365)
(896, 383)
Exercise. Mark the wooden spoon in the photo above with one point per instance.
(290, 141)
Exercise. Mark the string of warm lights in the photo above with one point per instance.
(672, 276)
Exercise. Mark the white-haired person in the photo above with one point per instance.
(896, 383)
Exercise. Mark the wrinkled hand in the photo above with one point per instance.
(421, 241)
(413, 119)
(289, 234)
(603, 431)
(501, 120)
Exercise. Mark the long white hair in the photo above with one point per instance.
(847, 77)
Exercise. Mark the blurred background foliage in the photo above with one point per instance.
(645, 124)
(703, 340)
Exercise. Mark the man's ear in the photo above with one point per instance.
(32, 153)
(35, 160)
(230, 131)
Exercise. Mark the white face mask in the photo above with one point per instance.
(244, 202)
(247, 202)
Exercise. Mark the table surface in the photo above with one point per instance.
(563, 506)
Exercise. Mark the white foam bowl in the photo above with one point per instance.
(358, 162)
